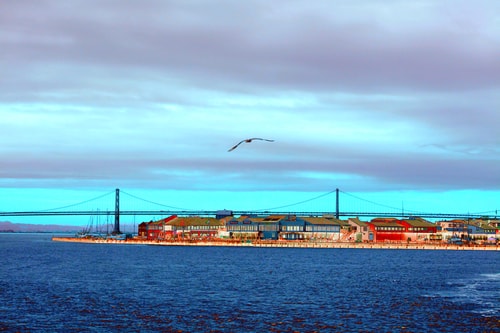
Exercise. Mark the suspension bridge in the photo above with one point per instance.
(334, 203)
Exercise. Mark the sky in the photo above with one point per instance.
(397, 102)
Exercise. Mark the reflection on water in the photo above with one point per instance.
(482, 290)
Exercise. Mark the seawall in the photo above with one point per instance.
(282, 244)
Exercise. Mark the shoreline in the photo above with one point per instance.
(282, 244)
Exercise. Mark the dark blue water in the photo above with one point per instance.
(48, 286)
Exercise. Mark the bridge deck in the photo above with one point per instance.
(237, 213)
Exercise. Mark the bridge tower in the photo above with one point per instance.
(337, 204)
(116, 229)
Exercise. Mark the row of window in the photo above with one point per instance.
(453, 225)
(417, 229)
(292, 228)
(322, 228)
(309, 228)
(197, 227)
(289, 228)
(271, 227)
(243, 228)
(285, 228)
(454, 229)
(389, 228)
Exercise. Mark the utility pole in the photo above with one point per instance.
(116, 230)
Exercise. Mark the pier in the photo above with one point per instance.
(282, 244)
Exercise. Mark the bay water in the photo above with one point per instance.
(48, 286)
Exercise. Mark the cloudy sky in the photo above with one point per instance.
(390, 100)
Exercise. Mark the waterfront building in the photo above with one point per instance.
(292, 228)
(243, 227)
(319, 228)
(269, 227)
(222, 232)
(387, 229)
(418, 230)
(220, 214)
(154, 230)
(452, 229)
(195, 227)
(142, 229)
(344, 224)
(480, 231)
(414, 229)
(360, 230)
(322, 228)
(495, 224)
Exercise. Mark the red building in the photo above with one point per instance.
(418, 230)
(392, 229)
(154, 230)
(387, 229)
(142, 230)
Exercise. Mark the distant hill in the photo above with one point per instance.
(6, 226)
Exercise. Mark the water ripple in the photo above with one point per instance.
(60, 287)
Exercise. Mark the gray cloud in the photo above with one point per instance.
(243, 44)
(153, 93)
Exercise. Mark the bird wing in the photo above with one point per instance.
(262, 139)
(236, 145)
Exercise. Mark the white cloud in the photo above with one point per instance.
(371, 95)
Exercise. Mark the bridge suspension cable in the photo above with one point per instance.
(77, 204)
(154, 203)
(296, 203)
(381, 205)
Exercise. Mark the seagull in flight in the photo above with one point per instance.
(248, 141)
